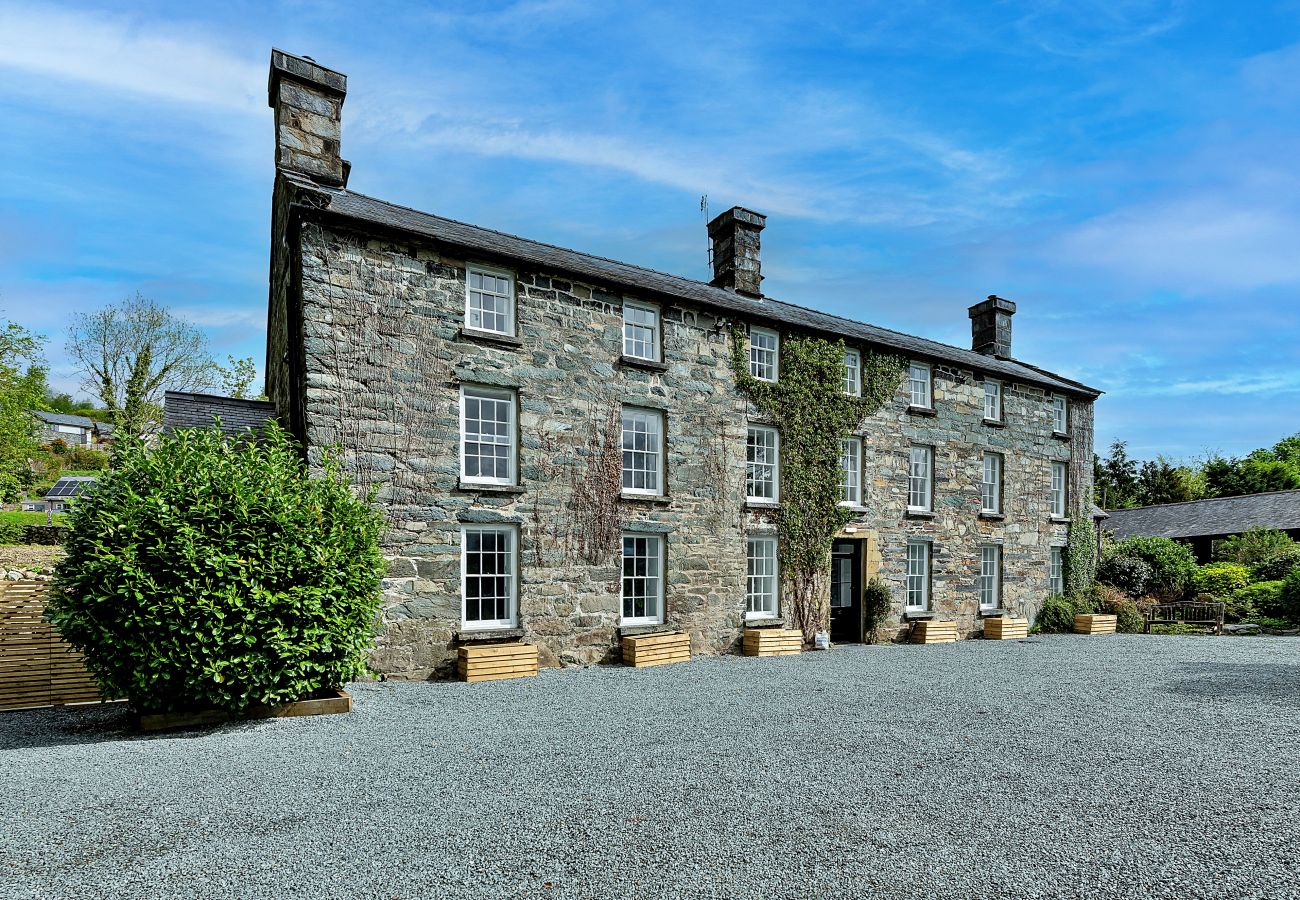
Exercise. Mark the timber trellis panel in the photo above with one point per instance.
(37, 667)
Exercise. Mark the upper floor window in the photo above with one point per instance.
(490, 301)
(990, 580)
(487, 435)
(764, 353)
(760, 578)
(992, 400)
(488, 576)
(1060, 414)
(918, 382)
(851, 471)
(641, 331)
(919, 473)
(853, 373)
(1060, 479)
(643, 451)
(991, 484)
(762, 476)
(1056, 571)
(918, 575)
(643, 579)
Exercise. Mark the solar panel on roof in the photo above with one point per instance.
(68, 487)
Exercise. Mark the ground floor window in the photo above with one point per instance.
(489, 561)
(760, 587)
(643, 579)
(990, 581)
(1056, 571)
(918, 575)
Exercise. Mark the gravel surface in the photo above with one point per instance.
(1122, 766)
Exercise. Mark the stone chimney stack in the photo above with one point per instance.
(308, 104)
(990, 326)
(735, 250)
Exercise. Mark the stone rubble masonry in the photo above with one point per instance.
(736, 241)
(991, 327)
(384, 355)
(308, 103)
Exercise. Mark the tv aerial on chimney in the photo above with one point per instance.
(704, 211)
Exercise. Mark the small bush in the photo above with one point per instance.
(1172, 564)
(1289, 597)
(1277, 568)
(876, 602)
(1126, 573)
(1263, 598)
(207, 572)
(1255, 546)
(87, 460)
(1056, 616)
(1128, 618)
(1221, 580)
(12, 532)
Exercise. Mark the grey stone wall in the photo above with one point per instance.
(384, 356)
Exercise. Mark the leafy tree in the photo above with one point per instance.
(1255, 546)
(1160, 481)
(237, 377)
(63, 403)
(1116, 478)
(130, 353)
(1258, 473)
(22, 389)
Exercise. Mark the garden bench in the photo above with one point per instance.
(1184, 613)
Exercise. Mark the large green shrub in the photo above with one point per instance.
(876, 603)
(1172, 564)
(12, 532)
(209, 572)
(1289, 597)
(1255, 546)
(1263, 598)
(1277, 568)
(1126, 573)
(1221, 579)
(1056, 616)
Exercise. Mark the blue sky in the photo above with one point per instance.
(1125, 171)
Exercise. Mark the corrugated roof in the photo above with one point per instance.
(1205, 518)
(361, 208)
(187, 410)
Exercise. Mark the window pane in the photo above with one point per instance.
(642, 577)
(1056, 571)
(852, 373)
(918, 480)
(487, 440)
(760, 586)
(918, 574)
(763, 354)
(488, 302)
(918, 379)
(990, 575)
(991, 484)
(487, 560)
(642, 451)
(761, 473)
(640, 332)
(851, 470)
(993, 400)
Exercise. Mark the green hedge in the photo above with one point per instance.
(1263, 598)
(1221, 579)
(1172, 564)
(207, 572)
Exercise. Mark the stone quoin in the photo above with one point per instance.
(564, 458)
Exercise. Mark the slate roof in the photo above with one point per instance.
(359, 207)
(186, 410)
(54, 418)
(1206, 518)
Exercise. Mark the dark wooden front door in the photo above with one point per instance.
(846, 591)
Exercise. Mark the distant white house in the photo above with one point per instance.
(60, 497)
(75, 431)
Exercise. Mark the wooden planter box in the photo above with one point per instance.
(656, 649)
(328, 704)
(1005, 629)
(773, 641)
(1094, 623)
(932, 631)
(494, 662)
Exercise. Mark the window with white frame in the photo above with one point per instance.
(488, 562)
(919, 471)
(1059, 482)
(643, 451)
(991, 485)
(1056, 571)
(851, 471)
(853, 373)
(490, 301)
(641, 331)
(760, 581)
(643, 579)
(762, 469)
(992, 400)
(918, 575)
(487, 435)
(990, 581)
(764, 353)
(918, 381)
(1060, 414)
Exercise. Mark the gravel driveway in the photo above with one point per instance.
(1058, 767)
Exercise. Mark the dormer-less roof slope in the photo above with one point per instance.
(356, 207)
(1208, 518)
(186, 410)
(53, 418)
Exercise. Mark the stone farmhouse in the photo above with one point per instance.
(562, 452)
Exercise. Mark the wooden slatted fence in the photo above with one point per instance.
(37, 667)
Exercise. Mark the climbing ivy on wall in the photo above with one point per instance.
(1080, 552)
(809, 406)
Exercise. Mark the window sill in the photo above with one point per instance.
(491, 337)
(922, 411)
(636, 362)
(637, 630)
(484, 488)
(992, 516)
(472, 635)
(995, 423)
(915, 615)
(1061, 435)
(762, 504)
(991, 613)
(1059, 520)
(656, 499)
(764, 621)
(854, 507)
(920, 514)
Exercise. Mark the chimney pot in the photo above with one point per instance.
(308, 103)
(990, 325)
(735, 237)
